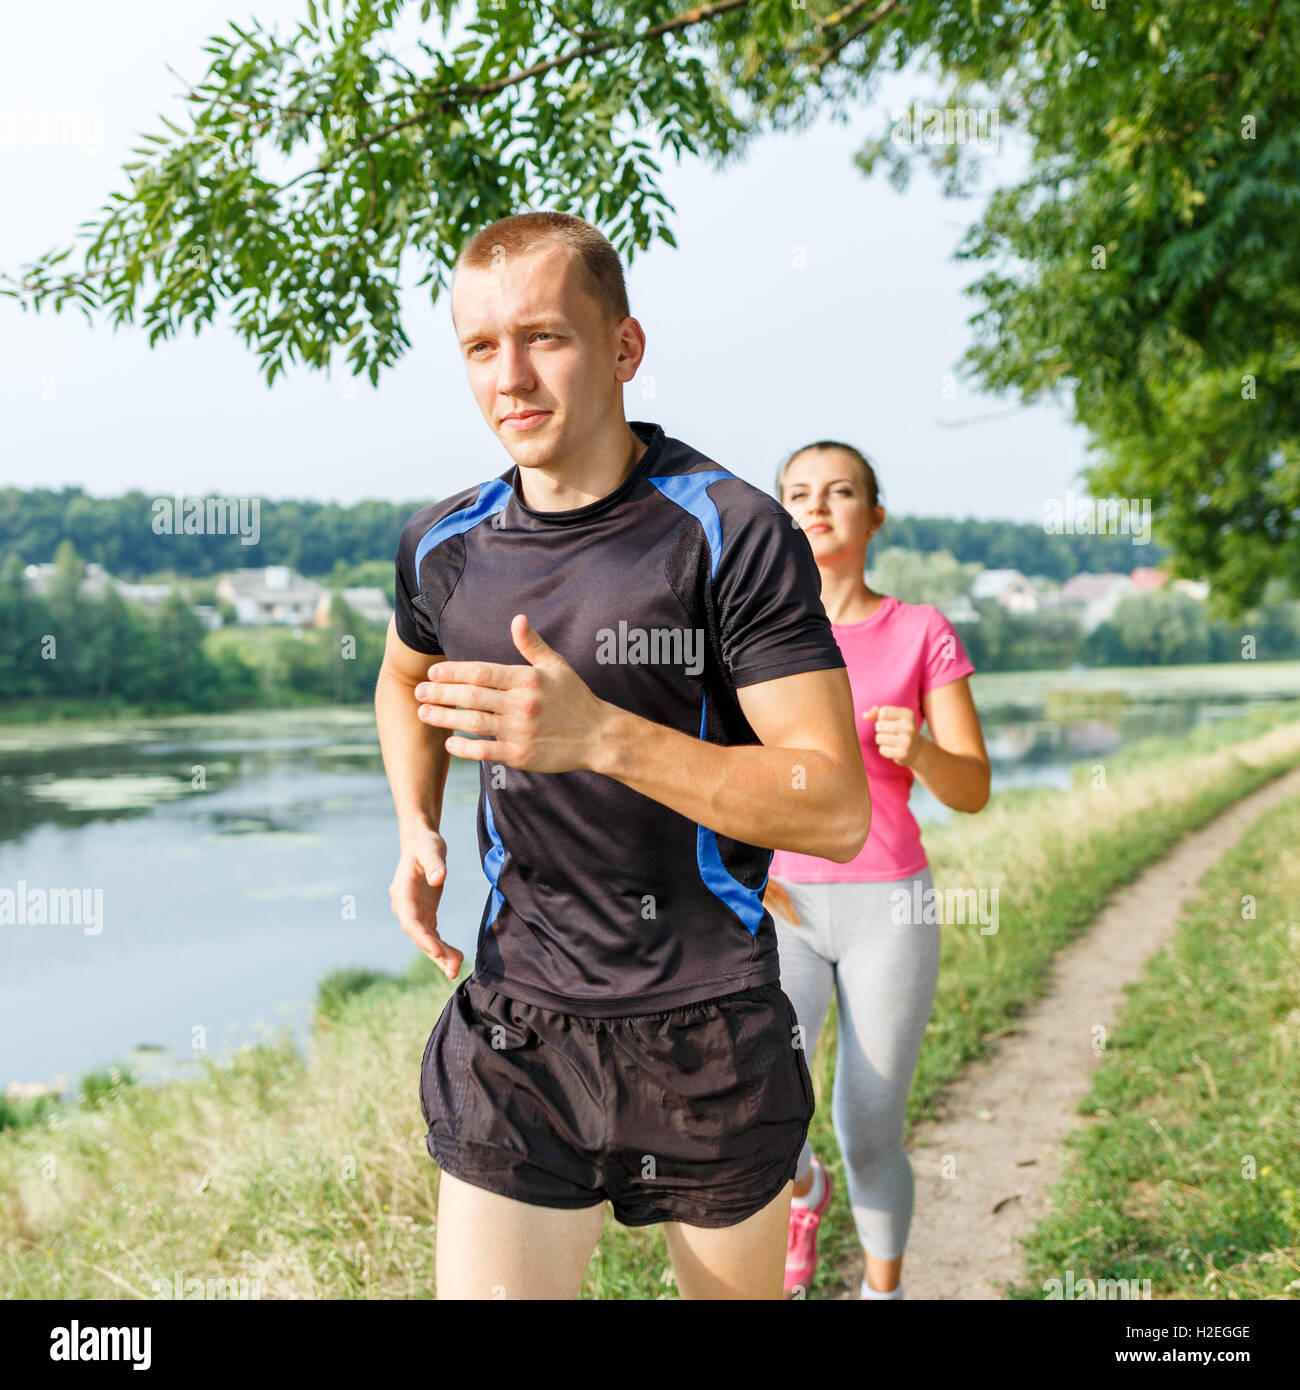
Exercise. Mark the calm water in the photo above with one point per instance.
(223, 907)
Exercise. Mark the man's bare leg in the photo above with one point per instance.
(491, 1246)
(742, 1261)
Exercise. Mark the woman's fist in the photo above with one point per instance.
(897, 737)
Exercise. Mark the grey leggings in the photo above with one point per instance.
(884, 972)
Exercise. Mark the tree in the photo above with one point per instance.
(1146, 266)
(1149, 266)
(24, 623)
(351, 651)
(916, 578)
(369, 574)
(64, 590)
(1003, 641)
(183, 675)
(1161, 628)
(66, 668)
(107, 645)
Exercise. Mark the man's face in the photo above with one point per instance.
(542, 361)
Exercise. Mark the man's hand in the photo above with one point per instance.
(897, 737)
(415, 892)
(777, 901)
(539, 718)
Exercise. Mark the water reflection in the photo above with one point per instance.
(239, 862)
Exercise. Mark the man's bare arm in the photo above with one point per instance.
(416, 762)
(804, 789)
(414, 757)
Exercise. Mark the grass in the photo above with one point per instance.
(306, 1177)
(309, 1175)
(1187, 1172)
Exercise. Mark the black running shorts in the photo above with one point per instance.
(697, 1114)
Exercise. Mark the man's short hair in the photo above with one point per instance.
(599, 266)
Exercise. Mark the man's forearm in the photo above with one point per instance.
(414, 756)
(779, 798)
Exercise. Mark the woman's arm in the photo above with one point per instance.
(953, 765)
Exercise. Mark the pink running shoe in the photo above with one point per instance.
(801, 1244)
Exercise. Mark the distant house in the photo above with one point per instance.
(370, 604)
(95, 580)
(1093, 598)
(1008, 588)
(959, 609)
(151, 596)
(1195, 588)
(275, 595)
(1146, 578)
(98, 580)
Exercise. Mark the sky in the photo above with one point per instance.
(802, 301)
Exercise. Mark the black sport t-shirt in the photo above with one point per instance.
(665, 596)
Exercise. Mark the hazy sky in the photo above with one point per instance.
(749, 355)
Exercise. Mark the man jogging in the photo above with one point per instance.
(633, 638)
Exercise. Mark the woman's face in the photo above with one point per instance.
(826, 493)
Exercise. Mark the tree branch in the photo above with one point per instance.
(880, 12)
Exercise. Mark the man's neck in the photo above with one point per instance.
(583, 479)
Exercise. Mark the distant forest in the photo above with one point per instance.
(320, 538)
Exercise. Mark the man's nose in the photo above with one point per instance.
(514, 371)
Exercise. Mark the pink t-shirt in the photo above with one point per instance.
(893, 657)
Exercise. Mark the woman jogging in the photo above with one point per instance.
(852, 925)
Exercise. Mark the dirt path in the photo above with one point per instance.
(1004, 1118)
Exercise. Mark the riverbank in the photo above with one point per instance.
(308, 1173)
(1071, 689)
